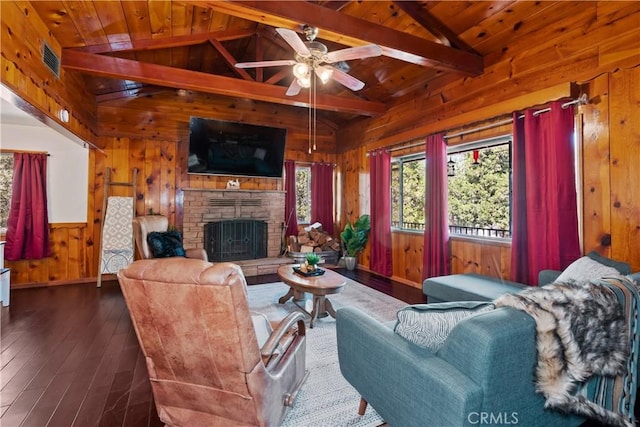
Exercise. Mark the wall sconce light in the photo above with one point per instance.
(63, 115)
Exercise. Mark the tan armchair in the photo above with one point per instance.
(143, 225)
(205, 361)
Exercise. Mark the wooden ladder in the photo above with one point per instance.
(108, 185)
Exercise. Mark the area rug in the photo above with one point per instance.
(326, 399)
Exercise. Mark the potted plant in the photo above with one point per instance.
(311, 260)
(354, 238)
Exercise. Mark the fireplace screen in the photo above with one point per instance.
(236, 240)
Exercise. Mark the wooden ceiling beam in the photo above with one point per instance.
(279, 76)
(335, 5)
(352, 31)
(229, 59)
(166, 42)
(126, 69)
(432, 24)
(259, 57)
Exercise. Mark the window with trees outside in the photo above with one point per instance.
(407, 192)
(303, 194)
(479, 189)
(6, 183)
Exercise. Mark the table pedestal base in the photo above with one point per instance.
(321, 305)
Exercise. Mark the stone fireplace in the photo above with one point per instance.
(202, 207)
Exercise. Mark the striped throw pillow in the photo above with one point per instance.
(428, 325)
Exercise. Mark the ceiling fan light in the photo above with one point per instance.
(324, 74)
(304, 81)
(300, 70)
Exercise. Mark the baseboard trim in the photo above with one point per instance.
(81, 281)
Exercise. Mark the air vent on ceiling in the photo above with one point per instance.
(50, 59)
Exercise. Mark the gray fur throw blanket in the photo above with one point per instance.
(586, 333)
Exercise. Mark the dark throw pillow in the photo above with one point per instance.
(163, 245)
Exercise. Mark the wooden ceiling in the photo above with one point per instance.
(127, 49)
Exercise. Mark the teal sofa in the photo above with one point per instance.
(483, 374)
(477, 287)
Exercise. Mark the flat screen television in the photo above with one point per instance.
(218, 147)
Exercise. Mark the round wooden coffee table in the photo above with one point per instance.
(319, 286)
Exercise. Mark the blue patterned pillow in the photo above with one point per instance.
(164, 245)
(428, 325)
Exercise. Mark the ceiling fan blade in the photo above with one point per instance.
(265, 63)
(346, 80)
(294, 41)
(294, 88)
(359, 52)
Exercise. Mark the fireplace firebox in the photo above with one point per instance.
(235, 240)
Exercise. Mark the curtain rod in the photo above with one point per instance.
(314, 163)
(582, 100)
(9, 150)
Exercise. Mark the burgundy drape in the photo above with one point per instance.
(290, 214)
(380, 192)
(28, 222)
(322, 195)
(436, 228)
(545, 212)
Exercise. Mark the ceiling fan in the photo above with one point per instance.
(313, 57)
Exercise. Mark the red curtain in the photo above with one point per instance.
(28, 222)
(436, 232)
(380, 192)
(290, 214)
(322, 195)
(545, 212)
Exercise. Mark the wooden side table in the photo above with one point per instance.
(319, 286)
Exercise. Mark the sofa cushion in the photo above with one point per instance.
(167, 244)
(428, 325)
(585, 269)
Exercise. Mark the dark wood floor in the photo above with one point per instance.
(70, 357)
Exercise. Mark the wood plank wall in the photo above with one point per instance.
(599, 49)
(23, 72)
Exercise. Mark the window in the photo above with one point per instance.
(480, 188)
(303, 194)
(6, 178)
(407, 192)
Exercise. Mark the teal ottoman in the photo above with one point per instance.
(467, 287)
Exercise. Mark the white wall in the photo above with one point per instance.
(67, 168)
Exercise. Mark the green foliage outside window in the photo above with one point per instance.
(407, 193)
(6, 178)
(479, 195)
